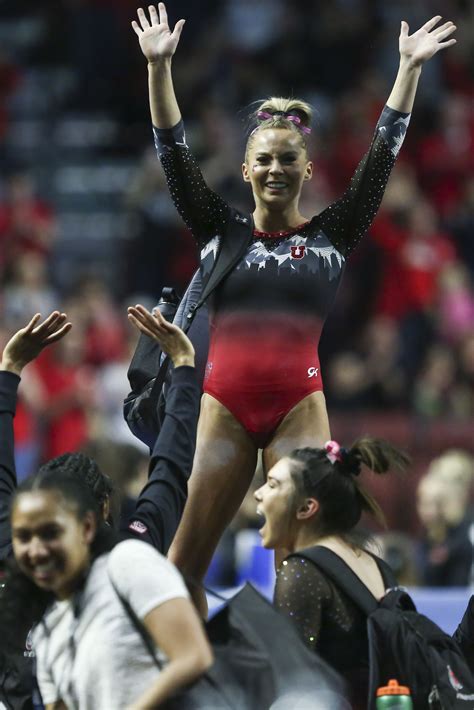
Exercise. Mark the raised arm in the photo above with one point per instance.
(160, 504)
(158, 43)
(347, 220)
(204, 212)
(22, 348)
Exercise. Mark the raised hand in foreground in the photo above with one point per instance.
(27, 343)
(172, 340)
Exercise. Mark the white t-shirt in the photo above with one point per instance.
(92, 657)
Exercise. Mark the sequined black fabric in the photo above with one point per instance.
(327, 621)
(344, 222)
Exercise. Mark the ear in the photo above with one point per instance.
(89, 527)
(308, 509)
(245, 172)
(309, 171)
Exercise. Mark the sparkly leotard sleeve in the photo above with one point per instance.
(267, 315)
(327, 620)
(203, 211)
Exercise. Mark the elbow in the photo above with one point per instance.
(207, 659)
(200, 662)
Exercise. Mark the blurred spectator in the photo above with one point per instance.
(159, 252)
(28, 290)
(444, 158)
(398, 551)
(27, 223)
(414, 253)
(69, 395)
(455, 303)
(103, 324)
(112, 388)
(371, 377)
(435, 392)
(445, 551)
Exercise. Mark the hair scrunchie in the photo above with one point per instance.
(350, 464)
(333, 451)
(265, 115)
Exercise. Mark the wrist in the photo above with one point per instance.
(9, 366)
(159, 63)
(407, 64)
(183, 361)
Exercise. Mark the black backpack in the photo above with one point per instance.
(403, 644)
(149, 371)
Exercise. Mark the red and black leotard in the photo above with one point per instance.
(267, 315)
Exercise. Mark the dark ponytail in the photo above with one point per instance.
(331, 476)
(22, 603)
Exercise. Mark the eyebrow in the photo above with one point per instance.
(290, 151)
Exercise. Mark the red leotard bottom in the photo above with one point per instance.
(261, 366)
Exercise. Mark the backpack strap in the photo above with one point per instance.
(237, 237)
(137, 624)
(340, 573)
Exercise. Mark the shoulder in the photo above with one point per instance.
(298, 571)
(137, 569)
(50, 622)
(129, 552)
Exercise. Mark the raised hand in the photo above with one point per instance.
(28, 342)
(155, 37)
(171, 338)
(425, 42)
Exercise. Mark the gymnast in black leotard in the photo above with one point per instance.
(263, 386)
(284, 286)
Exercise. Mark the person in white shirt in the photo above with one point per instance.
(74, 581)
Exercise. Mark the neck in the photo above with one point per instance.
(267, 220)
(308, 538)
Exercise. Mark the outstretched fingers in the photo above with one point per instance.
(58, 334)
(53, 328)
(145, 25)
(136, 28)
(163, 13)
(428, 26)
(154, 19)
(444, 31)
(31, 325)
(178, 28)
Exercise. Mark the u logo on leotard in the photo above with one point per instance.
(298, 252)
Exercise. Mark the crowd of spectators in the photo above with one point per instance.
(401, 337)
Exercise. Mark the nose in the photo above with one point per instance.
(257, 495)
(37, 550)
(275, 167)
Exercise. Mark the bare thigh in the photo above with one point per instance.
(306, 424)
(224, 465)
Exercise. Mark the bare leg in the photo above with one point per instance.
(224, 465)
(306, 424)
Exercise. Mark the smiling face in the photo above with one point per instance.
(276, 501)
(276, 165)
(50, 543)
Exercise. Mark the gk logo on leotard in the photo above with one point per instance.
(313, 371)
(298, 252)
